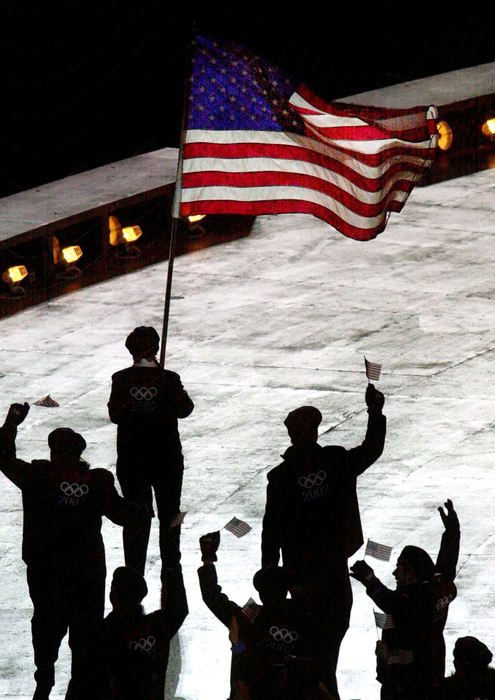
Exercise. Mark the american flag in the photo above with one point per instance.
(384, 621)
(47, 402)
(373, 370)
(251, 610)
(259, 142)
(237, 527)
(379, 551)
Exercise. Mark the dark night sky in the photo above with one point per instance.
(85, 85)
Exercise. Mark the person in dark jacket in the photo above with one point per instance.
(473, 679)
(411, 653)
(145, 403)
(134, 645)
(63, 503)
(312, 517)
(273, 644)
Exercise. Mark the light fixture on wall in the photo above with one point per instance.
(12, 277)
(123, 238)
(65, 260)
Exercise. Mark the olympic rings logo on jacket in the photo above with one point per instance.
(312, 480)
(144, 393)
(143, 645)
(73, 490)
(283, 635)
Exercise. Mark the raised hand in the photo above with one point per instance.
(209, 545)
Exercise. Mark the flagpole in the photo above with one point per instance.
(171, 256)
(175, 223)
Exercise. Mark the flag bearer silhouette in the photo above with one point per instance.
(145, 403)
(134, 645)
(312, 518)
(63, 504)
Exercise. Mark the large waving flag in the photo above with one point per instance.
(259, 142)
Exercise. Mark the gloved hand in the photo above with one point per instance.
(374, 398)
(361, 572)
(209, 544)
(17, 413)
(449, 519)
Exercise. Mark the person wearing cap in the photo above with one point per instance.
(272, 643)
(411, 653)
(312, 517)
(145, 403)
(473, 679)
(134, 647)
(63, 504)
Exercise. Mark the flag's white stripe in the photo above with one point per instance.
(326, 119)
(257, 165)
(258, 194)
(322, 174)
(282, 138)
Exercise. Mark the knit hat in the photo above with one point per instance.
(144, 341)
(473, 652)
(303, 418)
(128, 585)
(271, 580)
(419, 561)
(65, 441)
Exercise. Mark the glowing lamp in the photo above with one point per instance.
(131, 233)
(122, 237)
(71, 254)
(195, 218)
(446, 136)
(488, 127)
(13, 276)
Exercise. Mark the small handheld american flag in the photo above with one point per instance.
(378, 551)
(237, 527)
(383, 621)
(47, 402)
(373, 370)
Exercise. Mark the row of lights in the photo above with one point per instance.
(66, 258)
(446, 135)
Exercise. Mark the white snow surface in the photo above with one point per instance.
(258, 327)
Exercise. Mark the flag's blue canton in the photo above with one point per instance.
(234, 90)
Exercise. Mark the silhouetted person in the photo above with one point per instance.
(473, 679)
(411, 653)
(312, 517)
(63, 503)
(272, 643)
(135, 645)
(145, 403)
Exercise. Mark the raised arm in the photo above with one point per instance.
(448, 554)
(219, 604)
(360, 458)
(18, 471)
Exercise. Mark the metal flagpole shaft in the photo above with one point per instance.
(174, 227)
(171, 255)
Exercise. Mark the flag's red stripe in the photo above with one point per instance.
(208, 178)
(298, 153)
(289, 206)
(369, 133)
(362, 111)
